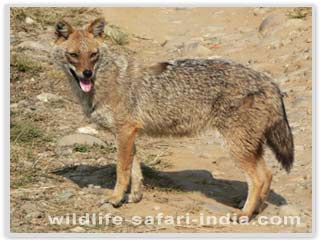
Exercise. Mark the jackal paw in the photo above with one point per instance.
(261, 208)
(240, 216)
(134, 197)
(115, 200)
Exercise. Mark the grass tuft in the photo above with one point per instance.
(24, 132)
(300, 13)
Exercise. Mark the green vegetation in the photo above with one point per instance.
(24, 132)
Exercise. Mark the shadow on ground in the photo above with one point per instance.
(228, 192)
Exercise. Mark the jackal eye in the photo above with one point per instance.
(74, 55)
(94, 54)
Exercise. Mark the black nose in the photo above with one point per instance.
(87, 73)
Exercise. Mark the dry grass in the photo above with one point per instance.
(23, 67)
(45, 17)
(300, 13)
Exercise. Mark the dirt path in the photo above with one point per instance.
(195, 175)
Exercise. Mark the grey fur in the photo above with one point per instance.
(185, 98)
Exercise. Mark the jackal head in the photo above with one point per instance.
(78, 51)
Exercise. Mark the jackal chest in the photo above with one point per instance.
(104, 117)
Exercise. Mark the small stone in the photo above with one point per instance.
(87, 130)
(29, 20)
(48, 97)
(77, 138)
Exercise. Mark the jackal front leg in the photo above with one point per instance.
(125, 142)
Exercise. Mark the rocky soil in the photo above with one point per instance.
(63, 164)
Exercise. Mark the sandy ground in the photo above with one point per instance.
(193, 176)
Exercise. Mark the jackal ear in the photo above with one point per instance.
(97, 27)
(63, 29)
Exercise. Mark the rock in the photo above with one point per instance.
(48, 97)
(77, 138)
(87, 130)
(289, 210)
(29, 20)
(77, 229)
(33, 45)
(271, 22)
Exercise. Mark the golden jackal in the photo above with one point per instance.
(176, 98)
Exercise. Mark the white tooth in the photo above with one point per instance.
(72, 67)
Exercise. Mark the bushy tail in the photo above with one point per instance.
(280, 140)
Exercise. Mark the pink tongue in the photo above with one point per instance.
(85, 85)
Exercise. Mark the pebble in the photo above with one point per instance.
(48, 97)
(29, 20)
(77, 138)
(87, 130)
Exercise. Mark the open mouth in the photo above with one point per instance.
(84, 83)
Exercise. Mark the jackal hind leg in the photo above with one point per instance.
(266, 175)
(246, 148)
(249, 166)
